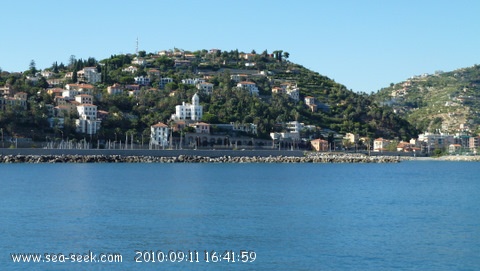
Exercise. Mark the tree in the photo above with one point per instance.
(71, 62)
(74, 76)
(286, 55)
(55, 67)
(32, 68)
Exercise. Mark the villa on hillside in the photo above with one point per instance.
(187, 111)
(251, 87)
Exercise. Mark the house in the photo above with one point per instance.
(130, 69)
(115, 89)
(84, 99)
(133, 89)
(65, 105)
(248, 57)
(454, 148)
(406, 147)
(293, 93)
(47, 74)
(201, 127)
(19, 100)
(5, 90)
(178, 125)
(55, 81)
(205, 87)
(192, 81)
(294, 126)
(89, 75)
(85, 88)
(278, 90)
(182, 63)
(286, 88)
(380, 144)
(87, 122)
(20, 96)
(153, 73)
(249, 86)
(352, 138)
(139, 61)
(164, 81)
(159, 134)
(238, 77)
(70, 93)
(185, 111)
(474, 143)
(249, 128)
(142, 80)
(319, 144)
(55, 92)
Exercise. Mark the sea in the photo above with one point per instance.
(413, 215)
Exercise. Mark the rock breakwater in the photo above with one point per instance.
(309, 158)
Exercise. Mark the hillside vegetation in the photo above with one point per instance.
(340, 109)
(444, 102)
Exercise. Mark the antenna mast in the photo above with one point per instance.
(136, 48)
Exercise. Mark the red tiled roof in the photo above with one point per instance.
(160, 125)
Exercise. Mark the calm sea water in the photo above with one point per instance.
(406, 216)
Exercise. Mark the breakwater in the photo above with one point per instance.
(308, 158)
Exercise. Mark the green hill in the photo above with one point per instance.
(447, 102)
(338, 109)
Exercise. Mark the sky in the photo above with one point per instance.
(364, 45)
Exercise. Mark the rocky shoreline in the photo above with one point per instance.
(310, 158)
(464, 158)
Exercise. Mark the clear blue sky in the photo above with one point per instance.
(365, 45)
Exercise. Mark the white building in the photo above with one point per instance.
(139, 61)
(294, 93)
(72, 90)
(159, 134)
(380, 144)
(294, 126)
(130, 69)
(192, 81)
(185, 111)
(89, 75)
(249, 86)
(87, 122)
(84, 99)
(70, 93)
(142, 80)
